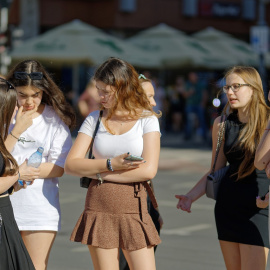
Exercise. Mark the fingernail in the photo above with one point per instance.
(128, 153)
(144, 161)
(257, 197)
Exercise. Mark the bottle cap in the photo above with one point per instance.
(40, 149)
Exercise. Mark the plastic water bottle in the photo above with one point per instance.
(33, 161)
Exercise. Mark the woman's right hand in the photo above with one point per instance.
(28, 173)
(184, 203)
(120, 163)
(23, 121)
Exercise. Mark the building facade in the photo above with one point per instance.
(127, 17)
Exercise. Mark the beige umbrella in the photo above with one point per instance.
(176, 50)
(78, 42)
(238, 51)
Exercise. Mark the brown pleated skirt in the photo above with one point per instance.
(116, 216)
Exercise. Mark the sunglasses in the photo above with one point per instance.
(20, 75)
(7, 84)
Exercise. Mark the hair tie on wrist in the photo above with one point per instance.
(19, 176)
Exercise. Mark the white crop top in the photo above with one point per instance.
(107, 145)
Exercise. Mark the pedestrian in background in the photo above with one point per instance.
(196, 97)
(153, 212)
(89, 100)
(242, 225)
(115, 214)
(13, 253)
(42, 104)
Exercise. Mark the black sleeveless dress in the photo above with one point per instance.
(238, 219)
(13, 253)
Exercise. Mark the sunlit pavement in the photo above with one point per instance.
(189, 241)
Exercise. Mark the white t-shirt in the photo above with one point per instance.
(107, 145)
(37, 207)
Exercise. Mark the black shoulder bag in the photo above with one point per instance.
(85, 181)
(215, 177)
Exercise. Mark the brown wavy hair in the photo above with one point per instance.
(52, 95)
(8, 101)
(129, 92)
(259, 113)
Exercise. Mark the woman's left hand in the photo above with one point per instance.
(262, 203)
(120, 163)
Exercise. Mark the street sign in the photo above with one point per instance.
(259, 38)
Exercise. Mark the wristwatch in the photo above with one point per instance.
(99, 178)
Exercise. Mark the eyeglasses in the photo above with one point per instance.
(235, 87)
(7, 84)
(20, 75)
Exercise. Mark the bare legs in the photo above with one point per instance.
(108, 259)
(39, 244)
(243, 257)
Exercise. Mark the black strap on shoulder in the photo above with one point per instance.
(94, 135)
(220, 139)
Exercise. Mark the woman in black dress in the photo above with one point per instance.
(241, 220)
(13, 254)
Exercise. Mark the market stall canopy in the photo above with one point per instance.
(177, 50)
(223, 43)
(78, 42)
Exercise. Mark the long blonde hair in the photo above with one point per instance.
(259, 113)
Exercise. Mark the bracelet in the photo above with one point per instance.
(109, 165)
(19, 175)
(13, 136)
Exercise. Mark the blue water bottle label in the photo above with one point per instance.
(20, 182)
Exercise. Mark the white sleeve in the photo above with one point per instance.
(60, 145)
(150, 124)
(89, 124)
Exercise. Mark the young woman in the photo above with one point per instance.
(13, 254)
(242, 226)
(115, 214)
(153, 212)
(43, 106)
(150, 93)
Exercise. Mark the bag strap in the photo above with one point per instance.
(151, 194)
(220, 139)
(94, 135)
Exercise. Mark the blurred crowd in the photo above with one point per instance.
(186, 104)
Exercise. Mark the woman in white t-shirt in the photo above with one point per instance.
(115, 215)
(43, 119)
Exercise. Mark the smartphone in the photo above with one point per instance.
(134, 158)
